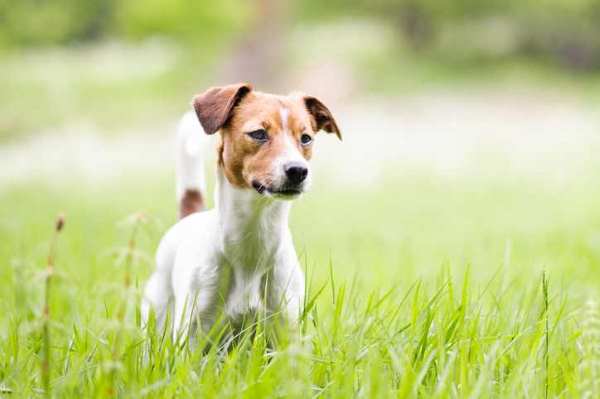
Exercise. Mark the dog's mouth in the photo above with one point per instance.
(288, 192)
(259, 187)
(282, 192)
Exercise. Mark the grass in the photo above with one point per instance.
(383, 65)
(445, 288)
(420, 286)
(120, 87)
(108, 87)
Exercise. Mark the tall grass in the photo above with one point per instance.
(546, 332)
(442, 339)
(47, 349)
(383, 317)
(126, 258)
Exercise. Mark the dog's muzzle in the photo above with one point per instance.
(293, 184)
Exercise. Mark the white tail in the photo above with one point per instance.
(191, 183)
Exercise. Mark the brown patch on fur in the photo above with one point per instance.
(322, 117)
(237, 110)
(213, 107)
(191, 202)
(243, 159)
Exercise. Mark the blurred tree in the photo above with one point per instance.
(51, 22)
(198, 20)
(258, 55)
(563, 31)
(39, 22)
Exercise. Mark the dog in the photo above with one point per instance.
(237, 259)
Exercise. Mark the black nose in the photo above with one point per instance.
(295, 172)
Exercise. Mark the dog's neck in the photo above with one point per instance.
(253, 225)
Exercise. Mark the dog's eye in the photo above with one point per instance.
(259, 135)
(306, 139)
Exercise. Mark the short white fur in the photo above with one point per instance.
(232, 261)
(290, 153)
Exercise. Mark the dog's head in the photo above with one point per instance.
(266, 140)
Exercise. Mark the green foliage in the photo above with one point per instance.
(561, 31)
(32, 22)
(114, 85)
(51, 22)
(187, 19)
(437, 291)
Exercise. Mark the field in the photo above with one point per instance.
(451, 242)
(418, 287)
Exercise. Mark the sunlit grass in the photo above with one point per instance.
(418, 287)
(111, 86)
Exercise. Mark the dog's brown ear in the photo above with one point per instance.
(214, 106)
(322, 118)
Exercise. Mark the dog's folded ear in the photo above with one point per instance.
(322, 117)
(214, 106)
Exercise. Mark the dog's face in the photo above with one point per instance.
(266, 139)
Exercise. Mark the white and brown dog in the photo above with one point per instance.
(238, 258)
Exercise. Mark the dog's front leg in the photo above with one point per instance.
(285, 289)
(196, 285)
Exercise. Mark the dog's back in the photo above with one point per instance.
(191, 195)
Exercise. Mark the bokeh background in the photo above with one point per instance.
(468, 169)
(471, 128)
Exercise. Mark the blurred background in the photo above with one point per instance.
(470, 127)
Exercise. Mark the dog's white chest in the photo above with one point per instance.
(247, 265)
(244, 296)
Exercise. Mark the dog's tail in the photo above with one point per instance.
(191, 183)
